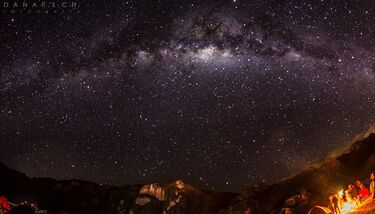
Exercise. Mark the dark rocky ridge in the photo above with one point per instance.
(76, 196)
(317, 182)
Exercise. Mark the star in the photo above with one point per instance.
(220, 95)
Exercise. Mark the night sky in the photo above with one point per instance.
(222, 94)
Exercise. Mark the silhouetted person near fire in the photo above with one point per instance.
(372, 184)
(363, 192)
(335, 204)
(357, 184)
(353, 193)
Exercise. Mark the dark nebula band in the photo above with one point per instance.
(221, 94)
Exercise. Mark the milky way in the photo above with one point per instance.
(221, 94)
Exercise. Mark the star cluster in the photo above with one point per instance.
(221, 94)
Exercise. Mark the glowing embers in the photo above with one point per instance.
(348, 205)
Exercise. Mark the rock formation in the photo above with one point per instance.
(297, 194)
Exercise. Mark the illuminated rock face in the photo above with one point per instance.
(155, 190)
(75, 196)
(170, 194)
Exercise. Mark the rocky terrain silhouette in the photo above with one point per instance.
(297, 194)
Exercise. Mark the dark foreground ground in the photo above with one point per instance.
(297, 194)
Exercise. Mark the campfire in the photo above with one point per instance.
(355, 197)
(346, 206)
